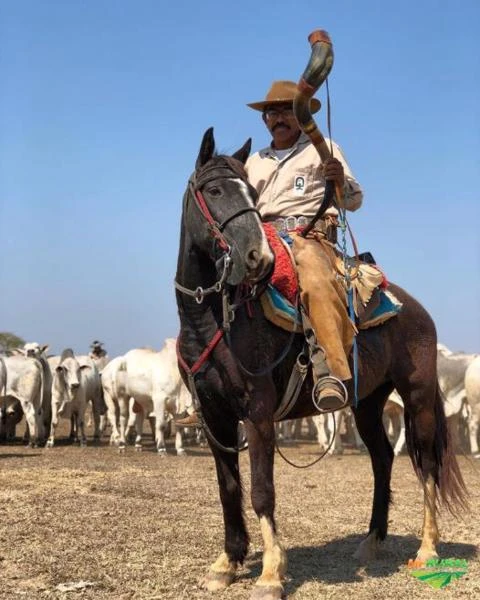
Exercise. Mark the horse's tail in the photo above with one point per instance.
(446, 471)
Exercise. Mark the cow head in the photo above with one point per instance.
(66, 382)
(34, 350)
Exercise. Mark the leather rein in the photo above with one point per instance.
(216, 231)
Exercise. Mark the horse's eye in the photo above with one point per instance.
(214, 191)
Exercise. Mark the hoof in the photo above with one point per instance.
(214, 582)
(121, 449)
(367, 550)
(138, 448)
(425, 555)
(162, 452)
(270, 592)
(476, 455)
(181, 452)
(49, 444)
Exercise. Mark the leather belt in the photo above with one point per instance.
(287, 224)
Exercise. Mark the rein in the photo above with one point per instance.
(219, 287)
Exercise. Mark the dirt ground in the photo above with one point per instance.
(140, 527)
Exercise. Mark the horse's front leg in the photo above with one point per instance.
(261, 443)
(222, 572)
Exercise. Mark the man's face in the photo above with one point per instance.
(282, 124)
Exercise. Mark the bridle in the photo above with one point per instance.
(216, 229)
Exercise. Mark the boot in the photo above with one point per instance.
(329, 394)
(190, 420)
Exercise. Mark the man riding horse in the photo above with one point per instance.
(239, 365)
(289, 177)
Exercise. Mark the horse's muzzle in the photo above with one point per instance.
(259, 265)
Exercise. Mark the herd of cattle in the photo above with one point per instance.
(121, 392)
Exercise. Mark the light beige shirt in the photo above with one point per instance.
(294, 185)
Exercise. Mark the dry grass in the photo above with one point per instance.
(142, 528)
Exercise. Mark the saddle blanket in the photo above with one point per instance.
(280, 299)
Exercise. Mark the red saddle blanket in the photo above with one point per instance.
(284, 277)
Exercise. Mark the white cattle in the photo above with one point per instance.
(3, 376)
(451, 369)
(472, 389)
(100, 361)
(327, 428)
(35, 350)
(114, 378)
(25, 383)
(75, 382)
(394, 422)
(150, 379)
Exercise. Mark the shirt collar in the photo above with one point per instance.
(302, 141)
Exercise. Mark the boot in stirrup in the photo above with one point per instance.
(329, 394)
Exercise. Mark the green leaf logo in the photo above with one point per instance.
(437, 579)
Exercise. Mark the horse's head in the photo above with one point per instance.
(221, 218)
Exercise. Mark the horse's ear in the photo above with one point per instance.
(206, 149)
(244, 151)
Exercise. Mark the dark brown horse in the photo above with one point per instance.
(240, 369)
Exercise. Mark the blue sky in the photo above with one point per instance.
(102, 110)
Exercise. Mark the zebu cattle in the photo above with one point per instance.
(327, 428)
(451, 368)
(150, 379)
(11, 412)
(472, 389)
(394, 421)
(25, 383)
(35, 350)
(75, 381)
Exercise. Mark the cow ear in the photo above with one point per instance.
(207, 148)
(44, 348)
(244, 151)
(18, 352)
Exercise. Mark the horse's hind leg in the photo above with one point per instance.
(222, 572)
(368, 417)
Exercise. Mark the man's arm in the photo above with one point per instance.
(353, 195)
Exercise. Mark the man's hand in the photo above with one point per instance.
(333, 171)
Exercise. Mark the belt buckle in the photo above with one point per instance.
(302, 221)
(290, 223)
(279, 224)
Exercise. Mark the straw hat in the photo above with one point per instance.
(282, 92)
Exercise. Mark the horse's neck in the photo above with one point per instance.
(194, 271)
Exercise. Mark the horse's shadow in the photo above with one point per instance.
(334, 563)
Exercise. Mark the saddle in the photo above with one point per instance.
(374, 304)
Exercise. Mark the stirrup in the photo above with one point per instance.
(336, 401)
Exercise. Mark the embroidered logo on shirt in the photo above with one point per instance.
(299, 185)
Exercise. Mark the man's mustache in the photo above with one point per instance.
(280, 125)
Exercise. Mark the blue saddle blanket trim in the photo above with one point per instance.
(280, 311)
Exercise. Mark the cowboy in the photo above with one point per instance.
(97, 350)
(289, 177)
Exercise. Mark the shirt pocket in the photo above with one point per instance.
(300, 182)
